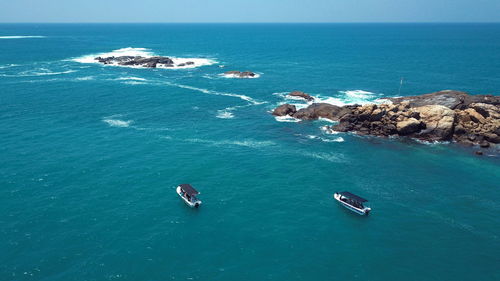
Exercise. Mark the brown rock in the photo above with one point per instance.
(285, 109)
(301, 95)
(409, 126)
(439, 122)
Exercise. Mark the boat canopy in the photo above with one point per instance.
(353, 197)
(189, 189)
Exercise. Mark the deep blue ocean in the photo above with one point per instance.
(90, 155)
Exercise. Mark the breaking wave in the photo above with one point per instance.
(224, 114)
(313, 137)
(117, 122)
(342, 98)
(286, 119)
(143, 52)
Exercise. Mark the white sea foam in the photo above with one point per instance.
(224, 114)
(117, 122)
(313, 137)
(143, 52)
(21, 37)
(327, 130)
(8, 66)
(286, 118)
(330, 157)
(245, 143)
(134, 83)
(39, 72)
(349, 97)
(85, 78)
(326, 120)
(130, 78)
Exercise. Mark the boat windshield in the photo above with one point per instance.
(351, 202)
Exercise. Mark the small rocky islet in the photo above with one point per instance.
(440, 116)
(147, 62)
(240, 74)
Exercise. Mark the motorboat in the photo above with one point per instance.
(188, 194)
(352, 202)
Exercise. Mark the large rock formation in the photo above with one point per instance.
(440, 116)
(149, 62)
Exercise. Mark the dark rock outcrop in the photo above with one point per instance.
(440, 116)
(241, 74)
(285, 109)
(301, 95)
(321, 110)
(150, 62)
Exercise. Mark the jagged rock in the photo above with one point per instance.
(239, 74)
(301, 95)
(440, 116)
(285, 109)
(150, 62)
(439, 121)
(408, 126)
(321, 110)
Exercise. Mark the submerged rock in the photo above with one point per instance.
(240, 74)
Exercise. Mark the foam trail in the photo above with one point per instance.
(323, 156)
(8, 66)
(130, 78)
(245, 143)
(206, 91)
(21, 37)
(85, 78)
(44, 73)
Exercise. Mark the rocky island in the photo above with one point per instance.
(441, 116)
(148, 62)
(240, 74)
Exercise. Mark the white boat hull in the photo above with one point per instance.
(192, 204)
(365, 211)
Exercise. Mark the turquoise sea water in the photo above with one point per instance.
(90, 156)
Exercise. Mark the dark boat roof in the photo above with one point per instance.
(189, 189)
(353, 196)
